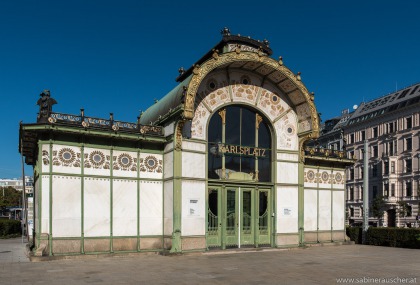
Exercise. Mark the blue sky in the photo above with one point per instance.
(118, 56)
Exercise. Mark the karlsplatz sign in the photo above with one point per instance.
(242, 150)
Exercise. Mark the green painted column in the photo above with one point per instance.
(301, 168)
(50, 200)
(177, 188)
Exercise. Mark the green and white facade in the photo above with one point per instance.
(219, 162)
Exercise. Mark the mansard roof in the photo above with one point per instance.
(403, 98)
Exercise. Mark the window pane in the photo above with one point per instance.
(233, 125)
(264, 138)
(248, 128)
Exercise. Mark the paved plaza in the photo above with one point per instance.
(313, 265)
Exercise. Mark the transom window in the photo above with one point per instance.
(239, 145)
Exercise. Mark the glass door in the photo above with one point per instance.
(264, 218)
(231, 222)
(246, 217)
(214, 220)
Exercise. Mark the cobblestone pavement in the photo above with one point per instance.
(314, 265)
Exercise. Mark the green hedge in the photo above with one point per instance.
(9, 227)
(355, 234)
(395, 237)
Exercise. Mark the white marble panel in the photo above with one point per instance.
(288, 156)
(66, 206)
(151, 208)
(125, 164)
(287, 209)
(168, 161)
(310, 210)
(124, 207)
(97, 161)
(338, 210)
(287, 172)
(193, 165)
(169, 146)
(194, 146)
(168, 207)
(151, 165)
(324, 210)
(199, 122)
(324, 178)
(97, 210)
(169, 129)
(310, 177)
(272, 103)
(286, 131)
(193, 208)
(338, 180)
(46, 158)
(45, 204)
(66, 159)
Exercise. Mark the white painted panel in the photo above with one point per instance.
(46, 158)
(168, 160)
(338, 210)
(310, 210)
(124, 205)
(194, 146)
(97, 207)
(193, 165)
(287, 209)
(288, 156)
(66, 159)
(66, 206)
(45, 204)
(151, 165)
(287, 172)
(168, 207)
(324, 210)
(125, 164)
(193, 208)
(151, 208)
(98, 167)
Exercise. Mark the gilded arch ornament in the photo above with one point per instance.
(219, 60)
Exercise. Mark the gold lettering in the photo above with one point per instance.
(263, 154)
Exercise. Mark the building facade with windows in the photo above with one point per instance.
(219, 162)
(391, 126)
(17, 183)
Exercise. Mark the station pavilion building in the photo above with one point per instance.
(219, 162)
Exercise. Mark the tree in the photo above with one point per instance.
(378, 206)
(9, 197)
(403, 209)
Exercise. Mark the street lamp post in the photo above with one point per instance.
(365, 192)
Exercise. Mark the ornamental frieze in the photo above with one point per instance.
(65, 157)
(151, 164)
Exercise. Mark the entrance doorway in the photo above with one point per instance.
(238, 217)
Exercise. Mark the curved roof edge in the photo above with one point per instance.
(167, 106)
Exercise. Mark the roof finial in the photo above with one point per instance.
(266, 42)
(225, 32)
(181, 70)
